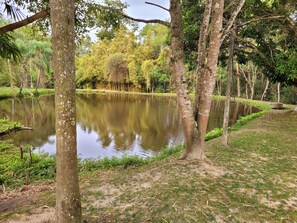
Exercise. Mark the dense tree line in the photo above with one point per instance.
(127, 61)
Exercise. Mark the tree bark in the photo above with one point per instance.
(228, 90)
(209, 71)
(264, 95)
(238, 81)
(202, 54)
(68, 204)
(179, 73)
(278, 92)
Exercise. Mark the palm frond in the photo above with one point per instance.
(13, 12)
(8, 47)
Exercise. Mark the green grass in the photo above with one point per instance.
(257, 183)
(127, 161)
(264, 109)
(13, 168)
(6, 125)
(251, 180)
(7, 92)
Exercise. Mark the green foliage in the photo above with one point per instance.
(192, 16)
(125, 60)
(126, 161)
(6, 125)
(8, 48)
(116, 68)
(287, 63)
(147, 68)
(13, 168)
(270, 43)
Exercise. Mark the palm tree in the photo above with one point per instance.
(8, 48)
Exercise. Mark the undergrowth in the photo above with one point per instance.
(6, 125)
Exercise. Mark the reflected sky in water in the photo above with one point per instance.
(109, 125)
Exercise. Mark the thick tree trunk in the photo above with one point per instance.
(228, 90)
(179, 72)
(209, 71)
(68, 205)
(202, 54)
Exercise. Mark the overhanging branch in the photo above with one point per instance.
(232, 19)
(162, 22)
(159, 6)
(24, 22)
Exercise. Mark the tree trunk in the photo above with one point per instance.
(278, 92)
(264, 95)
(246, 90)
(228, 90)
(202, 53)
(179, 73)
(209, 68)
(10, 73)
(238, 81)
(68, 205)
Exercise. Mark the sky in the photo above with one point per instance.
(138, 9)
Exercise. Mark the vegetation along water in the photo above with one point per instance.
(239, 51)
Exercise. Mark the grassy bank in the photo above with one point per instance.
(251, 180)
(6, 125)
(7, 92)
(15, 166)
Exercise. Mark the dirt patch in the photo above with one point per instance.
(13, 203)
(27, 190)
(43, 214)
(15, 199)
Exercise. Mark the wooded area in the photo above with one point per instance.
(231, 48)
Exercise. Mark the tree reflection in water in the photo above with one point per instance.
(110, 125)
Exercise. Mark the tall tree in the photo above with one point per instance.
(228, 90)
(179, 73)
(68, 204)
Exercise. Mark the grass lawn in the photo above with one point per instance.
(251, 180)
(6, 92)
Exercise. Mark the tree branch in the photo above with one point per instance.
(159, 6)
(162, 22)
(261, 18)
(24, 22)
(232, 19)
(292, 24)
(230, 5)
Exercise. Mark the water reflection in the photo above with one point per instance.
(109, 125)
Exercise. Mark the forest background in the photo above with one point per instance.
(126, 58)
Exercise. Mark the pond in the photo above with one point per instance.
(109, 124)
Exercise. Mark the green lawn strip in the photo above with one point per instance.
(8, 92)
(6, 125)
(262, 106)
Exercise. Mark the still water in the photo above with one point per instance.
(109, 125)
